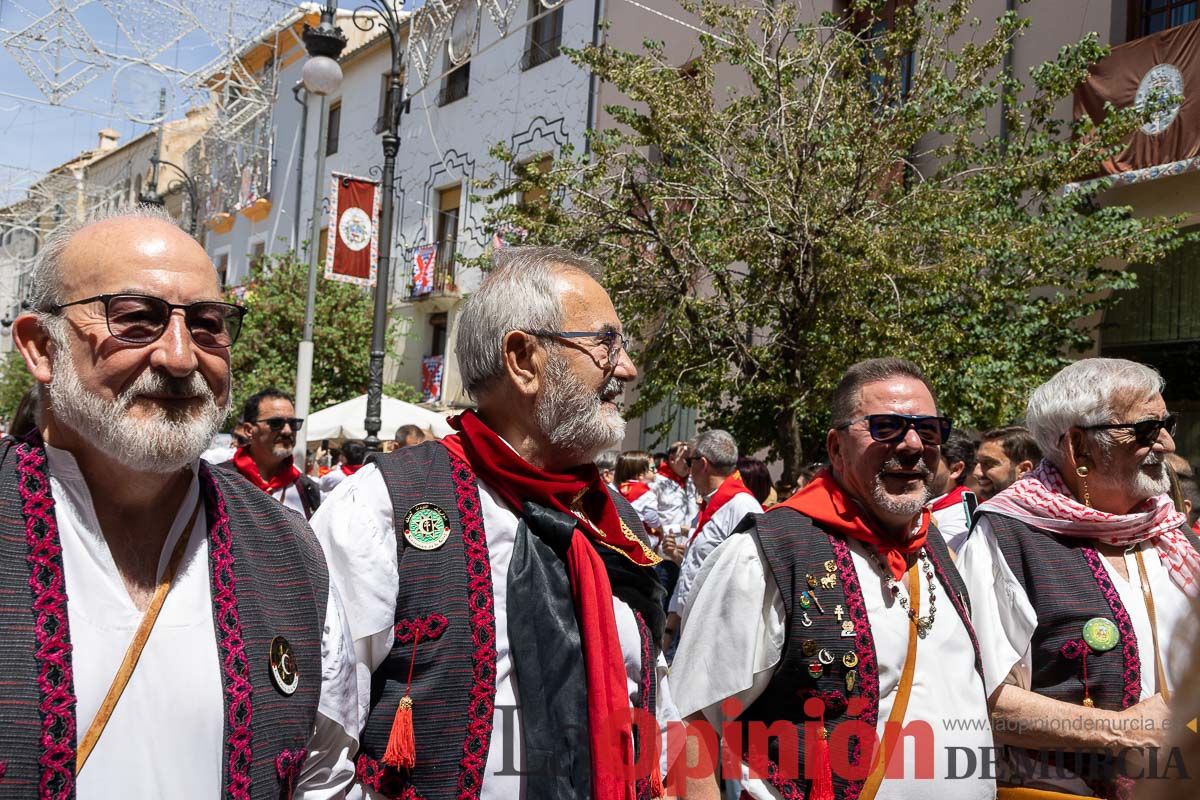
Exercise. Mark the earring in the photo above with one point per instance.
(1082, 472)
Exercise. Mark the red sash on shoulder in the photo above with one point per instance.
(730, 488)
(580, 492)
(826, 503)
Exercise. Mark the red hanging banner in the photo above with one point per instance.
(353, 253)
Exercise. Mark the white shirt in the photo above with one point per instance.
(166, 736)
(291, 498)
(357, 529)
(1005, 620)
(953, 523)
(706, 540)
(736, 626)
(676, 504)
(330, 480)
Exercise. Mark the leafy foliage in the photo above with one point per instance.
(15, 380)
(266, 351)
(802, 196)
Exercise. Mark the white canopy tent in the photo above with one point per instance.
(345, 420)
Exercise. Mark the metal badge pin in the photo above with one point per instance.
(284, 673)
(426, 526)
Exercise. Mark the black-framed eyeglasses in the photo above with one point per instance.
(276, 423)
(890, 428)
(142, 319)
(1144, 431)
(613, 342)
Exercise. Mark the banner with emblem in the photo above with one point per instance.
(431, 378)
(424, 260)
(353, 251)
(1163, 65)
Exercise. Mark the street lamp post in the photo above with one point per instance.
(152, 197)
(390, 18)
(321, 77)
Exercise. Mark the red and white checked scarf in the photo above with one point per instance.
(1042, 500)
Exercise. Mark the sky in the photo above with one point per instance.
(120, 53)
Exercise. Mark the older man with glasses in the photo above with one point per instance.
(169, 630)
(503, 601)
(838, 615)
(1084, 577)
(269, 425)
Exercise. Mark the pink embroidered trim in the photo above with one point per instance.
(383, 780)
(864, 645)
(287, 766)
(431, 627)
(53, 654)
(234, 664)
(1132, 673)
(480, 603)
(645, 699)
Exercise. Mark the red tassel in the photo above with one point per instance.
(656, 785)
(401, 750)
(822, 783)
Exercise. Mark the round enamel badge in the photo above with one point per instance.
(426, 527)
(284, 674)
(1101, 634)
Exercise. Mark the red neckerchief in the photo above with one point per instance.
(826, 503)
(516, 480)
(286, 476)
(632, 490)
(350, 469)
(730, 488)
(665, 470)
(949, 499)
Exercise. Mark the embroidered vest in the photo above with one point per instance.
(1067, 584)
(795, 548)
(445, 608)
(268, 578)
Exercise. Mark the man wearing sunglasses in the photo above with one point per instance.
(164, 615)
(841, 607)
(1083, 576)
(269, 425)
(505, 608)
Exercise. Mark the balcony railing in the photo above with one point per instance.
(539, 54)
(443, 282)
(455, 89)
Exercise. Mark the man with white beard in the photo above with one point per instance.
(142, 643)
(504, 610)
(1083, 577)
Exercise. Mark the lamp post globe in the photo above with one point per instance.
(321, 76)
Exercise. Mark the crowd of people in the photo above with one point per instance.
(518, 610)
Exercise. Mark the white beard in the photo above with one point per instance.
(572, 416)
(162, 443)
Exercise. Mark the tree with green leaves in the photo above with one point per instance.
(805, 194)
(265, 352)
(15, 381)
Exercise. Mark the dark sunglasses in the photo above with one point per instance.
(276, 423)
(1145, 432)
(890, 428)
(142, 319)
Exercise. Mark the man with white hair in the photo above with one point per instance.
(1082, 574)
(111, 523)
(504, 609)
